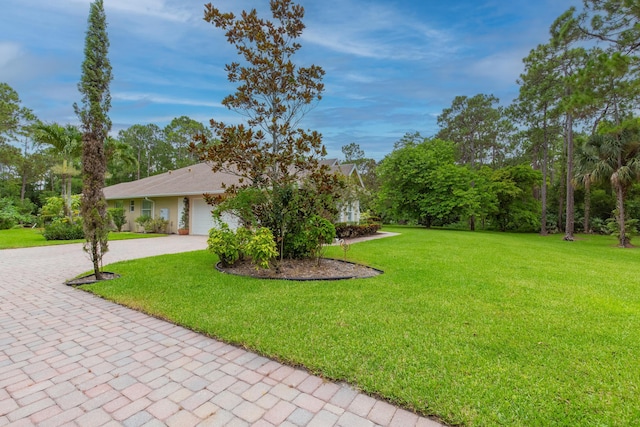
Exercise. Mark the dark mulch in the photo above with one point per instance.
(91, 278)
(304, 269)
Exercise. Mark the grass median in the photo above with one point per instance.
(478, 329)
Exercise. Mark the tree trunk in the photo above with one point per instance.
(569, 218)
(562, 194)
(587, 205)
(621, 221)
(138, 172)
(543, 189)
(63, 190)
(23, 187)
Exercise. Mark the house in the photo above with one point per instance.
(166, 194)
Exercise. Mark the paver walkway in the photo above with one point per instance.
(70, 358)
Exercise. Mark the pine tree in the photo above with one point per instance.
(95, 124)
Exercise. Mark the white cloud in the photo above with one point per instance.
(502, 68)
(151, 8)
(377, 31)
(359, 78)
(8, 52)
(161, 99)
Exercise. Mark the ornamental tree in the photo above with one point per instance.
(95, 125)
(270, 152)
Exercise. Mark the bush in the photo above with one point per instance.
(231, 246)
(260, 247)
(118, 217)
(62, 229)
(347, 231)
(151, 225)
(308, 239)
(319, 233)
(10, 215)
(224, 243)
(54, 208)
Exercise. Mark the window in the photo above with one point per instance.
(349, 212)
(132, 206)
(119, 204)
(146, 208)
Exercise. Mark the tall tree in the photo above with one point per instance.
(270, 152)
(179, 134)
(564, 35)
(10, 112)
(32, 164)
(95, 122)
(612, 21)
(535, 107)
(478, 127)
(152, 152)
(121, 161)
(20, 168)
(352, 153)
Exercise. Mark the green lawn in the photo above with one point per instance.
(29, 237)
(478, 329)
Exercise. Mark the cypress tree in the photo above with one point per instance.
(95, 125)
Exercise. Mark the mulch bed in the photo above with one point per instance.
(304, 269)
(91, 278)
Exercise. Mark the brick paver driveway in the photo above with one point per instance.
(70, 358)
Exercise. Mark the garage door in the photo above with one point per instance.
(202, 221)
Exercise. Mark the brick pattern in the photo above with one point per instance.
(69, 358)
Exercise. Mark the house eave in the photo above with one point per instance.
(180, 194)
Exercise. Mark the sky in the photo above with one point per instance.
(391, 66)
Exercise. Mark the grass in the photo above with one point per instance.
(477, 329)
(30, 237)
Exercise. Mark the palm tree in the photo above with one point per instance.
(614, 155)
(66, 142)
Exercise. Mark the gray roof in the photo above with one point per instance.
(192, 180)
(188, 181)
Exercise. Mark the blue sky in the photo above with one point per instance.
(391, 66)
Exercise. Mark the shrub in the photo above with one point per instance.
(159, 225)
(232, 246)
(10, 215)
(346, 231)
(261, 246)
(224, 243)
(630, 226)
(53, 208)
(62, 229)
(144, 221)
(320, 231)
(118, 217)
(244, 236)
(151, 225)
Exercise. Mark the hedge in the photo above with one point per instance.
(347, 231)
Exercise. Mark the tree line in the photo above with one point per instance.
(563, 156)
(39, 160)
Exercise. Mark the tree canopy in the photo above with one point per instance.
(271, 152)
